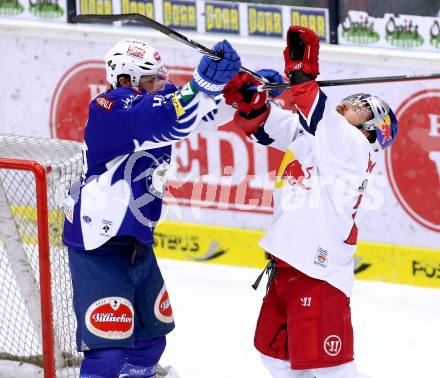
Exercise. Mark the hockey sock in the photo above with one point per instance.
(137, 362)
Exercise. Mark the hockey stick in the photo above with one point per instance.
(95, 18)
(144, 20)
(362, 80)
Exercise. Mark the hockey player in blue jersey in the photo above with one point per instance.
(120, 299)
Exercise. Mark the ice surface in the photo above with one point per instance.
(397, 327)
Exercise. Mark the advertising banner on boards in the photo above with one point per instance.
(180, 14)
(265, 21)
(212, 16)
(38, 10)
(221, 178)
(391, 31)
(222, 17)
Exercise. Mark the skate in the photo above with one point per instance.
(166, 372)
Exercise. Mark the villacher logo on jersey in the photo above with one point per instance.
(162, 307)
(110, 318)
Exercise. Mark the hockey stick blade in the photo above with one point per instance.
(144, 20)
(362, 80)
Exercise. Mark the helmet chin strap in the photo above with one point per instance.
(371, 138)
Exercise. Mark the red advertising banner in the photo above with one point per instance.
(413, 162)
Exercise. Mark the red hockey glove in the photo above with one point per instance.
(301, 53)
(251, 122)
(238, 95)
(251, 106)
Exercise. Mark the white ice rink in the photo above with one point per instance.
(397, 327)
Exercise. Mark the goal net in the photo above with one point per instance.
(37, 322)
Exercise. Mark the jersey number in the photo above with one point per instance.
(113, 66)
(157, 101)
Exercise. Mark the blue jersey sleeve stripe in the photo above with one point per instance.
(191, 109)
(187, 117)
(186, 126)
(192, 102)
(179, 134)
(178, 137)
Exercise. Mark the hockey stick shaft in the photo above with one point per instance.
(134, 17)
(362, 80)
(144, 20)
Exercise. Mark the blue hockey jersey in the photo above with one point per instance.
(126, 155)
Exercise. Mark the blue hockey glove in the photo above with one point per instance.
(211, 75)
(274, 78)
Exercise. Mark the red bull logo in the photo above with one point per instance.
(294, 174)
(385, 129)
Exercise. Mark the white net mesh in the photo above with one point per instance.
(20, 319)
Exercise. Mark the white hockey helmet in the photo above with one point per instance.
(134, 58)
(383, 121)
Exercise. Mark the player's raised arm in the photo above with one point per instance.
(146, 106)
(302, 68)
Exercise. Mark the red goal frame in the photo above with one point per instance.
(47, 338)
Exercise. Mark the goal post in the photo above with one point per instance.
(36, 314)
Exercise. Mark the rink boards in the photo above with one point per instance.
(400, 217)
(209, 244)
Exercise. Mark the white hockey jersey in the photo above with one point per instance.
(319, 188)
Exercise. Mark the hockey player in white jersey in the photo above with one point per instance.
(304, 328)
(120, 300)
